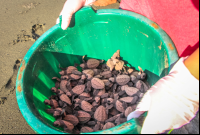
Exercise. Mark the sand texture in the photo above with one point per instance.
(22, 22)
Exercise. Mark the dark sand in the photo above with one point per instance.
(17, 18)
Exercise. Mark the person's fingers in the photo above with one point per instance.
(145, 103)
(70, 7)
(142, 107)
(57, 20)
(67, 12)
(66, 18)
(134, 114)
(89, 2)
(150, 125)
(158, 120)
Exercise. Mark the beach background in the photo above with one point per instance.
(21, 23)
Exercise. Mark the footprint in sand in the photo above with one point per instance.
(9, 87)
(28, 7)
(36, 31)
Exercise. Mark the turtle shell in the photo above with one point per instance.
(106, 74)
(86, 129)
(133, 78)
(91, 123)
(65, 99)
(128, 111)
(63, 86)
(85, 95)
(63, 123)
(86, 106)
(97, 83)
(122, 79)
(76, 72)
(119, 106)
(96, 71)
(78, 89)
(72, 119)
(88, 71)
(108, 125)
(93, 63)
(70, 69)
(83, 117)
(112, 119)
(126, 99)
(130, 90)
(101, 92)
(74, 77)
(100, 114)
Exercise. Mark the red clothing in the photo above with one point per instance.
(178, 18)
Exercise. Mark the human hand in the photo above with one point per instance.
(69, 8)
(171, 103)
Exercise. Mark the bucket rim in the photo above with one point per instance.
(34, 122)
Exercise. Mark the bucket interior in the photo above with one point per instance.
(97, 35)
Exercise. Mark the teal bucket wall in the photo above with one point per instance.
(98, 35)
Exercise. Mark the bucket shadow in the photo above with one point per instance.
(35, 96)
(38, 89)
(153, 78)
(42, 92)
(72, 23)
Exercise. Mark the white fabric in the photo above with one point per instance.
(171, 103)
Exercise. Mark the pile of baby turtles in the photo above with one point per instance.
(99, 97)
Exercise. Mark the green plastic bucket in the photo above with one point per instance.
(98, 35)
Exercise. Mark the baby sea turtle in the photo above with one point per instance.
(83, 116)
(100, 114)
(84, 95)
(64, 123)
(53, 103)
(67, 70)
(112, 119)
(59, 112)
(87, 107)
(131, 91)
(108, 125)
(141, 75)
(65, 98)
(130, 100)
(120, 79)
(82, 80)
(91, 63)
(63, 85)
(86, 129)
(72, 119)
(106, 74)
(97, 83)
(78, 89)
